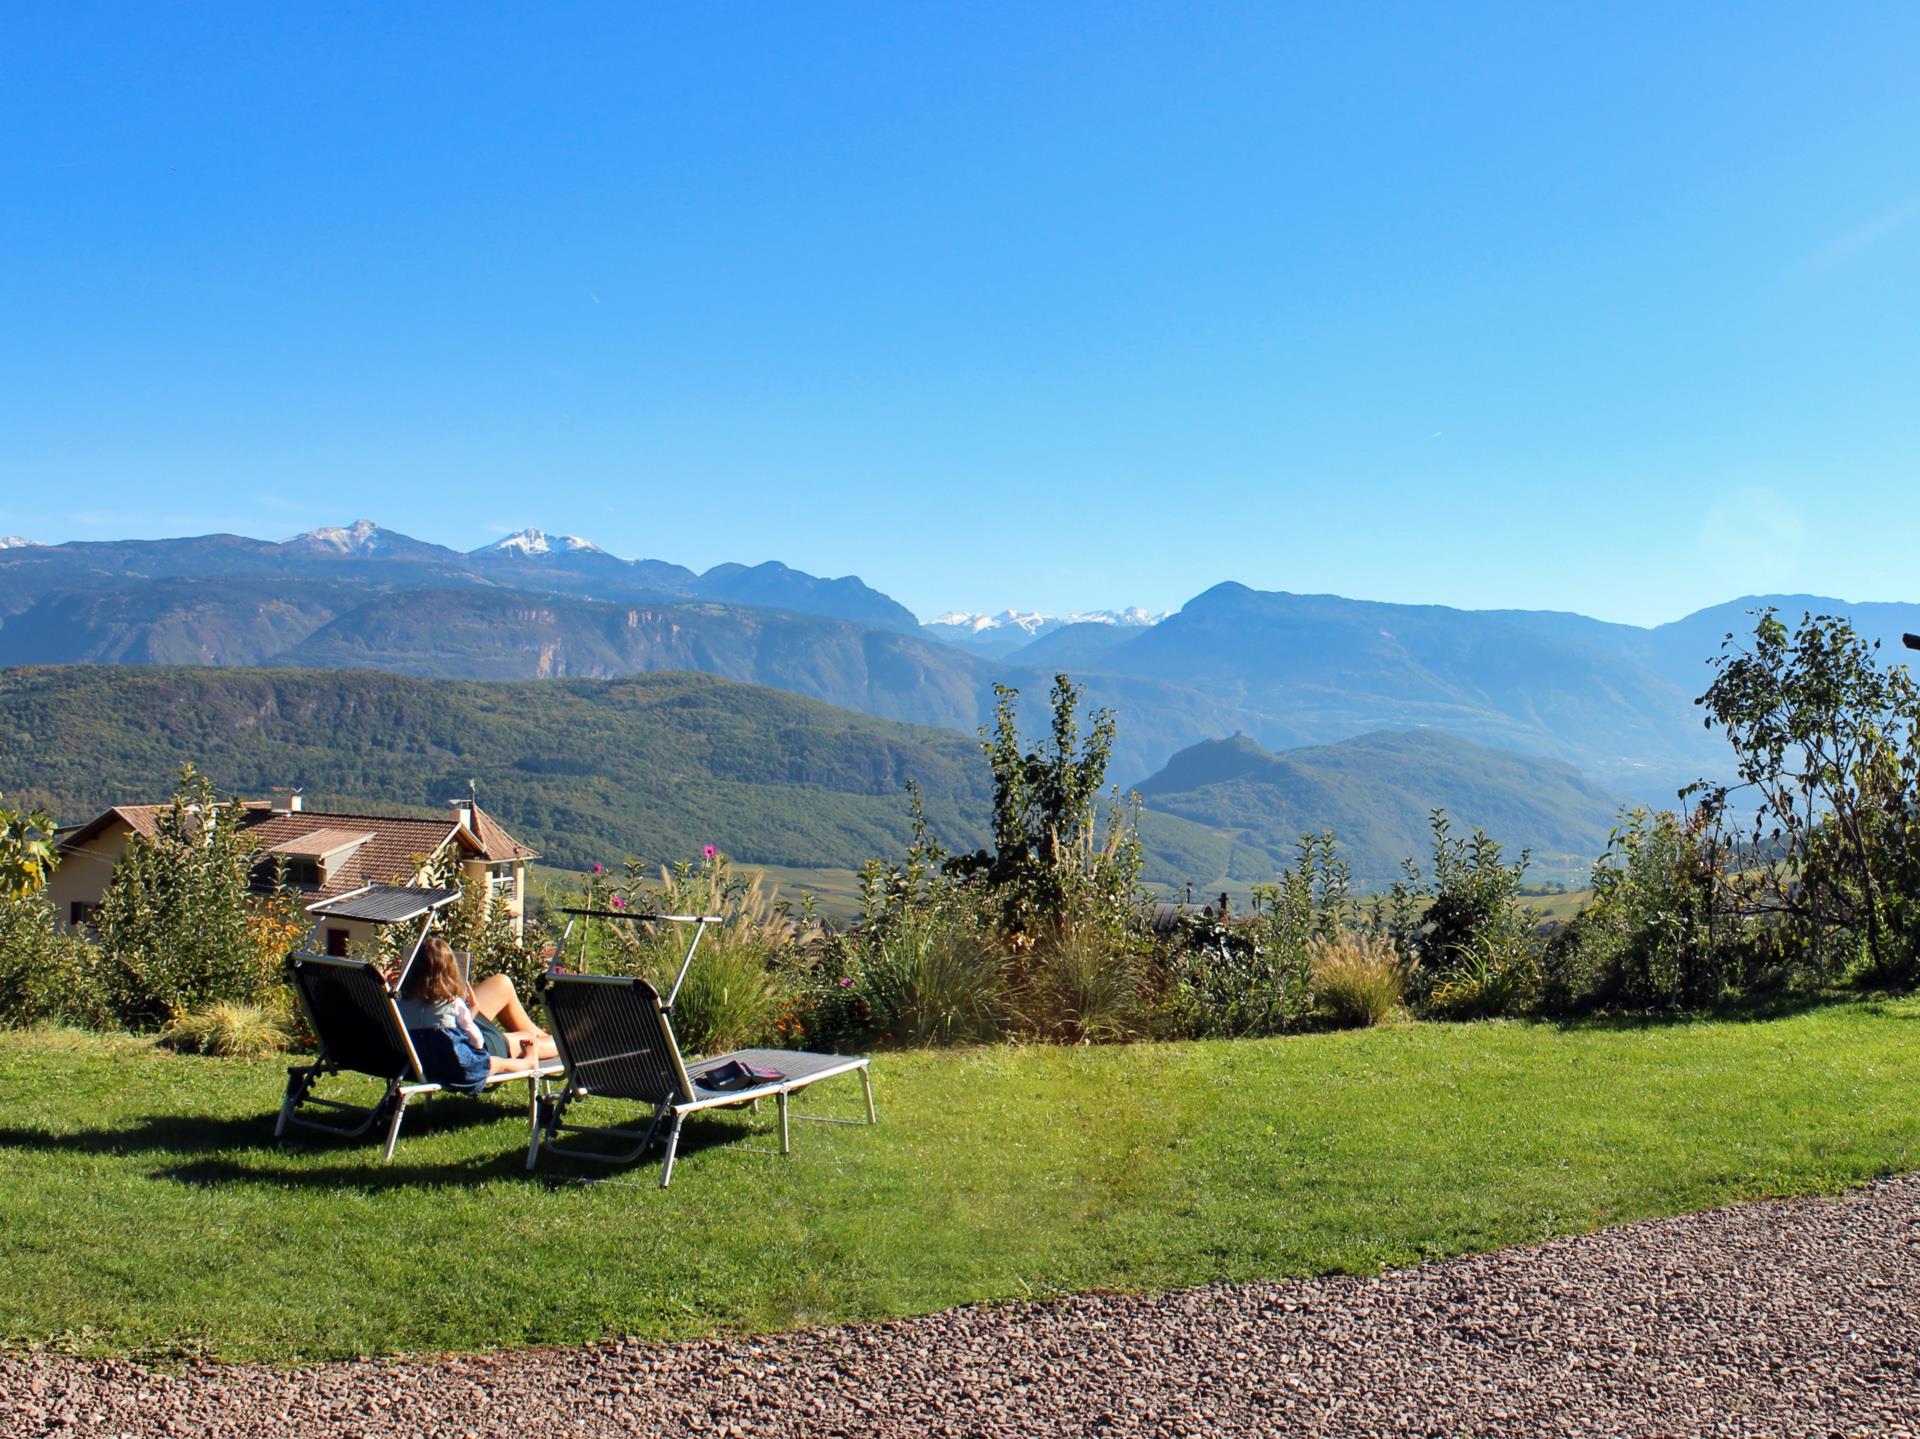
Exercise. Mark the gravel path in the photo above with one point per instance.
(1796, 1318)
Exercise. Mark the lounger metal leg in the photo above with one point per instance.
(536, 1131)
(393, 1125)
(673, 1143)
(299, 1081)
(786, 1141)
(866, 1083)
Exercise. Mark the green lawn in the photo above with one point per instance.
(144, 1209)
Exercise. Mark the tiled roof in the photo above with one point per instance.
(391, 855)
(495, 842)
(390, 852)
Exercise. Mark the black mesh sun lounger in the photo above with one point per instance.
(355, 1019)
(616, 1041)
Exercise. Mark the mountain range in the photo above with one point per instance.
(1011, 631)
(1283, 670)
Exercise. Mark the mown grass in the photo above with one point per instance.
(144, 1209)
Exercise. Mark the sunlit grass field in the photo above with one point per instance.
(144, 1207)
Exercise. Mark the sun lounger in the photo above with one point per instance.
(616, 1041)
(357, 1023)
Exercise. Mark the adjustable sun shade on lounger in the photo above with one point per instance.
(616, 1041)
(355, 1019)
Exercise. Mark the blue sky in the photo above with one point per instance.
(1051, 306)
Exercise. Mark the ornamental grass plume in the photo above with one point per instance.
(1358, 979)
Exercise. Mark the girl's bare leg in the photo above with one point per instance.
(494, 998)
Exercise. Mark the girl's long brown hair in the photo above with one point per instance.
(435, 975)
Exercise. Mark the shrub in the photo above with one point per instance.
(179, 927)
(739, 983)
(236, 1031)
(936, 978)
(1654, 936)
(1475, 946)
(46, 976)
(1058, 863)
(1357, 979)
(1083, 988)
(1489, 976)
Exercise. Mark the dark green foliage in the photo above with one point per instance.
(584, 770)
(1651, 938)
(1475, 949)
(1228, 979)
(47, 976)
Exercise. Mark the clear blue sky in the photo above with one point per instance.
(1054, 306)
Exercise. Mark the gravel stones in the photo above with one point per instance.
(1778, 1319)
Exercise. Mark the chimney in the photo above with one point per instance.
(287, 801)
(463, 811)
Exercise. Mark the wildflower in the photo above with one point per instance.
(710, 851)
(618, 903)
(846, 981)
(598, 870)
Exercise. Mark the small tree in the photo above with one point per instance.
(178, 923)
(1475, 944)
(1058, 863)
(1656, 935)
(1827, 746)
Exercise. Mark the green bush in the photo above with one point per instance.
(1654, 936)
(179, 926)
(936, 977)
(1475, 946)
(1358, 980)
(1083, 987)
(46, 976)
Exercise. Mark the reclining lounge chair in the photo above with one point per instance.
(616, 1041)
(357, 1023)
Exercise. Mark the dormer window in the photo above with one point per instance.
(313, 859)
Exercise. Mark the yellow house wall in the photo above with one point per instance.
(84, 873)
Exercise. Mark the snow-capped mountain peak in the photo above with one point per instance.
(1034, 622)
(14, 542)
(359, 538)
(530, 541)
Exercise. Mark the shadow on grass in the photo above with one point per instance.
(1760, 1009)
(243, 1151)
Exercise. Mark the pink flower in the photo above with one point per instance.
(619, 903)
(710, 851)
(598, 870)
(845, 982)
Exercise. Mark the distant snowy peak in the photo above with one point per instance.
(362, 537)
(14, 542)
(530, 542)
(1034, 623)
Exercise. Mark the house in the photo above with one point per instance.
(322, 855)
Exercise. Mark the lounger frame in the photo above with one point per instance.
(649, 1069)
(352, 1013)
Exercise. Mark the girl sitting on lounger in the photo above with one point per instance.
(456, 1045)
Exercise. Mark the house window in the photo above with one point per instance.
(80, 912)
(337, 943)
(303, 873)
